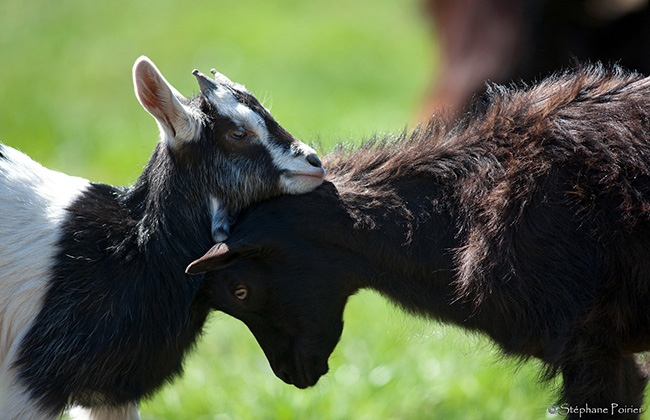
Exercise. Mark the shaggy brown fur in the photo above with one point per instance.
(528, 221)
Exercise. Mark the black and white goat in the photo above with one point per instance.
(95, 308)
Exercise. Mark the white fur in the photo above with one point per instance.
(220, 220)
(228, 106)
(127, 412)
(32, 207)
(300, 175)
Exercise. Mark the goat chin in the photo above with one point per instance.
(296, 182)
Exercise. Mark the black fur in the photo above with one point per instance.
(112, 312)
(528, 221)
(119, 314)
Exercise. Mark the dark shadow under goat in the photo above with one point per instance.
(528, 221)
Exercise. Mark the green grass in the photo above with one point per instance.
(387, 366)
(330, 70)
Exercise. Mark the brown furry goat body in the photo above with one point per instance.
(529, 221)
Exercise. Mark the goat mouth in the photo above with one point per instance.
(300, 371)
(301, 181)
(301, 378)
(313, 174)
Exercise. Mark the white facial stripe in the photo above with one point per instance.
(228, 106)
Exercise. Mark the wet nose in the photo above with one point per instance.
(313, 160)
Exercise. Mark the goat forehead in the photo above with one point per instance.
(244, 109)
(228, 105)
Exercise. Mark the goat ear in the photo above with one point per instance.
(161, 100)
(218, 257)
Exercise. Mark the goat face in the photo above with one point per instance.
(225, 140)
(246, 131)
(293, 306)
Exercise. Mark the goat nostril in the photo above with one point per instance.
(313, 159)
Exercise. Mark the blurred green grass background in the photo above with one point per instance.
(330, 70)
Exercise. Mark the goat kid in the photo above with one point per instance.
(528, 221)
(94, 307)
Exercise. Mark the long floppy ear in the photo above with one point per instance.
(161, 100)
(218, 257)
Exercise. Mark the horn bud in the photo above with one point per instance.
(206, 84)
(220, 78)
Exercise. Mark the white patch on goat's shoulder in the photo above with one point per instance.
(33, 202)
(126, 412)
(16, 401)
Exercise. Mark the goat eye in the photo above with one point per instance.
(241, 292)
(238, 133)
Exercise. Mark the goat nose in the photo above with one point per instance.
(313, 159)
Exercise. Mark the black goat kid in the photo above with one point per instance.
(95, 309)
(528, 221)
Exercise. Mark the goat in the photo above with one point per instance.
(95, 309)
(528, 221)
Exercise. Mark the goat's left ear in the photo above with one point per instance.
(161, 100)
(218, 257)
